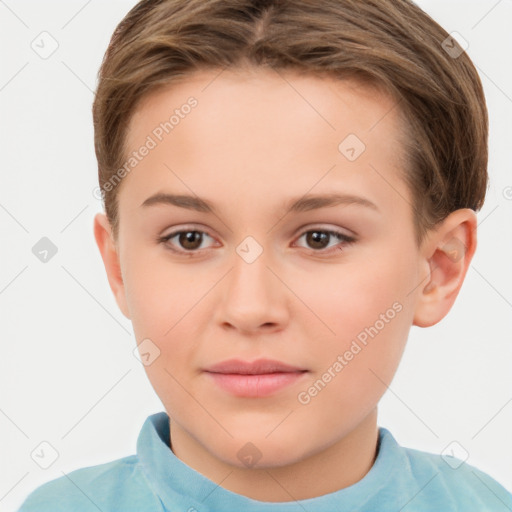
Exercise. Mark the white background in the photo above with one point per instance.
(67, 372)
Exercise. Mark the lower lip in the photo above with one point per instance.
(255, 385)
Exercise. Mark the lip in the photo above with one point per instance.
(259, 378)
(257, 367)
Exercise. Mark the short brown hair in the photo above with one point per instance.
(390, 43)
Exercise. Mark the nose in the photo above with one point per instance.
(253, 298)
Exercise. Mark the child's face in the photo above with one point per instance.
(252, 146)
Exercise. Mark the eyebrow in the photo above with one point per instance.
(302, 204)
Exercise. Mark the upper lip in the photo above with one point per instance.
(259, 366)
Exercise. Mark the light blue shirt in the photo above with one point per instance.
(401, 480)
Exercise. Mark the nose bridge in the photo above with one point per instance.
(250, 275)
(253, 296)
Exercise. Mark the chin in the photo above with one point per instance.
(258, 452)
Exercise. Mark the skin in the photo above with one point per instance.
(251, 145)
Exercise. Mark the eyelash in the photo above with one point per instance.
(344, 239)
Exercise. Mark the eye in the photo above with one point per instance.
(190, 240)
(319, 239)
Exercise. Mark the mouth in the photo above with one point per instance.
(263, 377)
(258, 367)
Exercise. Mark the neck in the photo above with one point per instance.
(335, 467)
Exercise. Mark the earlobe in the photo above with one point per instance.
(447, 255)
(110, 256)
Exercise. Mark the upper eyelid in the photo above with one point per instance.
(301, 231)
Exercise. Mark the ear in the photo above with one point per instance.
(110, 255)
(447, 253)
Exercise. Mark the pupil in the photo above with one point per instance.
(317, 237)
(189, 238)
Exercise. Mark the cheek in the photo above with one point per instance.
(348, 298)
(158, 292)
(165, 303)
(365, 318)
(168, 304)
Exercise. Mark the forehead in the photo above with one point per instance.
(266, 133)
(265, 94)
